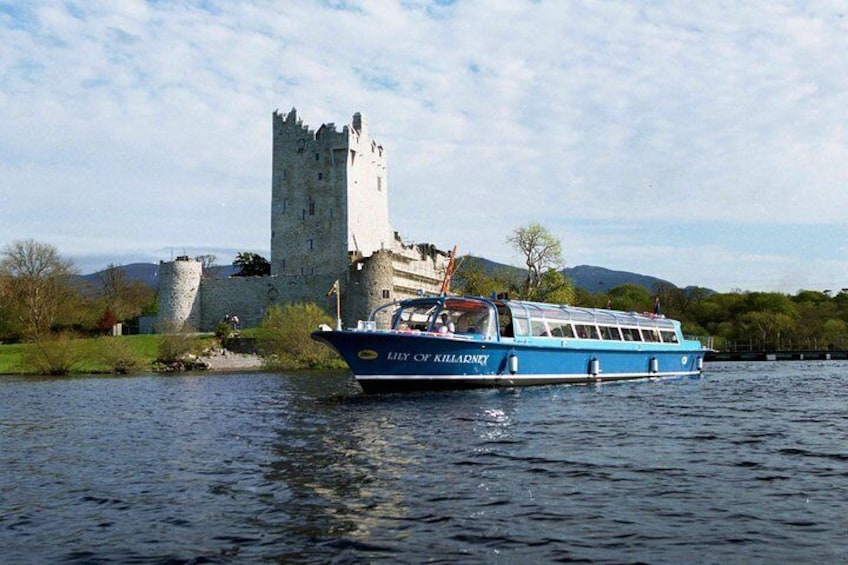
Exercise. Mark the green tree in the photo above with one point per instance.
(556, 288)
(541, 251)
(251, 265)
(472, 278)
(631, 298)
(36, 285)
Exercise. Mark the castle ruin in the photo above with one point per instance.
(329, 221)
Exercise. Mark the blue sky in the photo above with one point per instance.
(703, 143)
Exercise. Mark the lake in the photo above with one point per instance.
(748, 463)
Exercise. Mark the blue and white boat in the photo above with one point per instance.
(452, 342)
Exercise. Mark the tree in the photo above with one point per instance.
(472, 277)
(35, 282)
(124, 299)
(556, 288)
(542, 252)
(251, 265)
(208, 265)
(630, 298)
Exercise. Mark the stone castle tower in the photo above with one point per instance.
(329, 221)
(329, 197)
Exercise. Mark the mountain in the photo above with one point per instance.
(586, 277)
(599, 279)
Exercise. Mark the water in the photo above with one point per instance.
(748, 463)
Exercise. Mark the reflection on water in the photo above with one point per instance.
(745, 464)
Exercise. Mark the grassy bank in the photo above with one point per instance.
(96, 355)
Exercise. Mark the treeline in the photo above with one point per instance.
(40, 295)
(735, 321)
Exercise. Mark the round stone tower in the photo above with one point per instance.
(179, 300)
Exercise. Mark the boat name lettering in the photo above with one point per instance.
(468, 358)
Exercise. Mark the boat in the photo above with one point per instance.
(457, 342)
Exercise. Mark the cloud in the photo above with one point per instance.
(147, 123)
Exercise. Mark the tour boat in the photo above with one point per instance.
(453, 342)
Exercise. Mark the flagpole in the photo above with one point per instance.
(335, 289)
(338, 307)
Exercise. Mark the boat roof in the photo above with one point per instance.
(585, 315)
(563, 312)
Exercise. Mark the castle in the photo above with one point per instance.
(329, 222)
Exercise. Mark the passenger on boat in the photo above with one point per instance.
(445, 324)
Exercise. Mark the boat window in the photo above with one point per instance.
(668, 336)
(650, 334)
(415, 316)
(610, 333)
(631, 334)
(474, 317)
(560, 329)
(505, 320)
(538, 328)
(521, 326)
(585, 331)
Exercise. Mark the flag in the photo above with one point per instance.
(334, 289)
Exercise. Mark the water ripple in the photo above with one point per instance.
(746, 464)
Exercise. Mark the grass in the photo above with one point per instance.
(97, 355)
(11, 358)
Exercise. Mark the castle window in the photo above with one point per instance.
(320, 176)
(352, 156)
(304, 213)
(285, 204)
(311, 243)
(387, 293)
(285, 174)
(379, 183)
(311, 207)
(317, 156)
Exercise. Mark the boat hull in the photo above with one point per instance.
(396, 361)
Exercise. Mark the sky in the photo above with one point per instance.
(704, 143)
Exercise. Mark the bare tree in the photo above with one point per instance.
(124, 298)
(542, 252)
(208, 263)
(35, 281)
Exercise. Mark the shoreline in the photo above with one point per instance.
(229, 361)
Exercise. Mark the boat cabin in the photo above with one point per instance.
(479, 318)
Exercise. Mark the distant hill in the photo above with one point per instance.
(586, 277)
(599, 279)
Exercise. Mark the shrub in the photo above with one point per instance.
(118, 356)
(283, 338)
(174, 347)
(223, 330)
(53, 355)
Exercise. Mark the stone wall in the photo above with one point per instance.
(250, 297)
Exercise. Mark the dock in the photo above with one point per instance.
(798, 355)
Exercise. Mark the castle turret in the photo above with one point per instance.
(179, 302)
